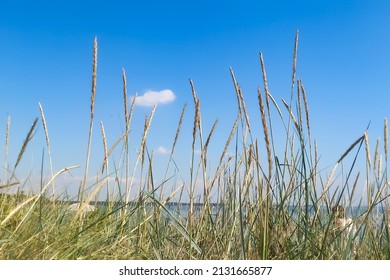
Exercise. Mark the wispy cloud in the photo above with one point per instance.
(149, 98)
(162, 151)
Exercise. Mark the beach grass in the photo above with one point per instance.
(261, 202)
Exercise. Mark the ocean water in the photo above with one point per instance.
(182, 210)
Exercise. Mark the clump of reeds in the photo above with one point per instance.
(276, 206)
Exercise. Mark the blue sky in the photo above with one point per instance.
(46, 56)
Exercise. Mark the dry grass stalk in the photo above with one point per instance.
(315, 163)
(240, 101)
(125, 97)
(300, 107)
(276, 105)
(9, 185)
(367, 144)
(210, 134)
(380, 166)
(264, 80)
(329, 181)
(93, 94)
(25, 142)
(191, 192)
(193, 91)
(292, 145)
(386, 135)
(269, 157)
(196, 116)
(247, 176)
(48, 145)
(266, 134)
(94, 73)
(219, 168)
(236, 87)
(294, 67)
(291, 114)
(299, 101)
(204, 149)
(376, 154)
(96, 191)
(44, 126)
(354, 186)
(17, 208)
(113, 147)
(37, 197)
(131, 109)
(173, 146)
(127, 124)
(245, 111)
(361, 138)
(143, 146)
(196, 122)
(178, 130)
(306, 109)
(105, 161)
(148, 122)
(228, 141)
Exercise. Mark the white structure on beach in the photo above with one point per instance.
(345, 226)
(84, 207)
(342, 221)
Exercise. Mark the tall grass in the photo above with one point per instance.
(277, 206)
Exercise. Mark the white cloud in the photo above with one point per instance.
(151, 97)
(162, 151)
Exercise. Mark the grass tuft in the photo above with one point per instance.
(246, 204)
